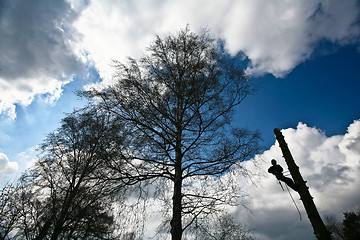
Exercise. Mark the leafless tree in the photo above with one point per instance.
(9, 209)
(63, 196)
(347, 229)
(223, 227)
(176, 104)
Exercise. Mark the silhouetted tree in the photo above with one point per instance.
(334, 226)
(347, 229)
(351, 225)
(9, 209)
(177, 103)
(224, 227)
(64, 196)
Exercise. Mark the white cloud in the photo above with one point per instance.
(330, 165)
(11, 170)
(44, 44)
(37, 45)
(278, 35)
(23, 91)
(275, 35)
(6, 167)
(28, 157)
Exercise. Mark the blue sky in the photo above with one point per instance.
(303, 55)
(321, 92)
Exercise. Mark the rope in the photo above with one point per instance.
(291, 198)
(281, 185)
(293, 201)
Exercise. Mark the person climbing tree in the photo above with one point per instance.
(277, 170)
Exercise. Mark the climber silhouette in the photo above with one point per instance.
(277, 170)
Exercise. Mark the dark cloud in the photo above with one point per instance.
(331, 174)
(37, 41)
(33, 39)
(282, 225)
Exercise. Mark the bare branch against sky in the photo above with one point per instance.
(303, 55)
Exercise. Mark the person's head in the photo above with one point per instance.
(273, 162)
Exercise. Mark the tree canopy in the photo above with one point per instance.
(164, 128)
(63, 196)
(176, 103)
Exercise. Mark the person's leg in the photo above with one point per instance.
(289, 182)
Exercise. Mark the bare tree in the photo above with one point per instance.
(177, 102)
(63, 196)
(351, 224)
(223, 227)
(9, 209)
(347, 229)
(334, 226)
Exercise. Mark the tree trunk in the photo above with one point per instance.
(318, 225)
(44, 231)
(176, 225)
(58, 228)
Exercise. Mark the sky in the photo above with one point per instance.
(303, 56)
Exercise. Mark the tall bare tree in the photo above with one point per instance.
(177, 102)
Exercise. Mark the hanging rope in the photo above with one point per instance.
(291, 198)
(281, 185)
(294, 202)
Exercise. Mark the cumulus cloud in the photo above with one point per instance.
(10, 170)
(275, 35)
(278, 35)
(37, 45)
(330, 165)
(44, 43)
(6, 167)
